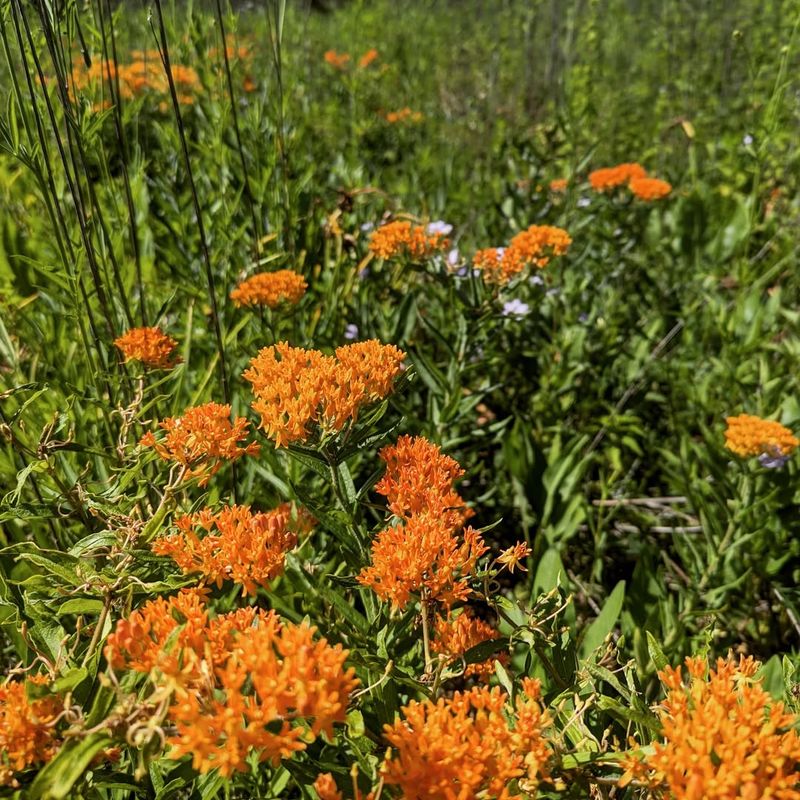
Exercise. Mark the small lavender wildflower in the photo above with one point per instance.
(583, 318)
(536, 280)
(351, 331)
(363, 273)
(584, 201)
(439, 226)
(747, 140)
(452, 257)
(367, 226)
(515, 308)
(772, 461)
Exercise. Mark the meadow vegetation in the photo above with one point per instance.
(399, 400)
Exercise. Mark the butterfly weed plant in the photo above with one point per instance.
(398, 410)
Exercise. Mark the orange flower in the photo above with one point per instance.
(456, 635)
(403, 115)
(724, 738)
(749, 436)
(649, 188)
(295, 387)
(402, 239)
(140, 642)
(270, 289)
(419, 478)
(424, 553)
(559, 185)
(326, 788)
(467, 747)
(247, 548)
(367, 58)
(148, 345)
(27, 728)
(534, 246)
(337, 60)
(202, 439)
(241, 683)
(512, 557)
(611, 177)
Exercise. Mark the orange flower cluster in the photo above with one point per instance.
(202, 439)
(270, 289)
(403, 239)
(419, 478)
(295, 387)
(610, 177)
(326, 788)
(534, 246)
(337, 60)
(470, 746)
(403, 115)
(724, 737)
(27, 729)
(424, 552)
(649, 189)
(749, 436)
(243, 682)
(238, 545)
(144, 74)
(559, 185)
(149, 345)
(635, 176)
(368, 57)
(341, 61)
(456, 635)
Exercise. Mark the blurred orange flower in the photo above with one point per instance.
(470, 746)
(749, 436)
(403, 239)
(534, 246)
(649, 188)
(337, 60)
(150, 346)
(559, 185)
(28, 734)
(202, 439)
(367, 58)
(270, 289)
(611, 177)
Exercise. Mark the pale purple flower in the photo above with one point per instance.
(363, 273)
(351, 331)
(452, 257)
(584, 201)
(367, 226)
(747, 140)
(439, 226)
(536, 280)
(772, 461)
(515, 308)
(583, 318)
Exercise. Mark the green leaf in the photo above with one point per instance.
(656, 653)
(550, 572)
(604, 624)
(57, 778)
